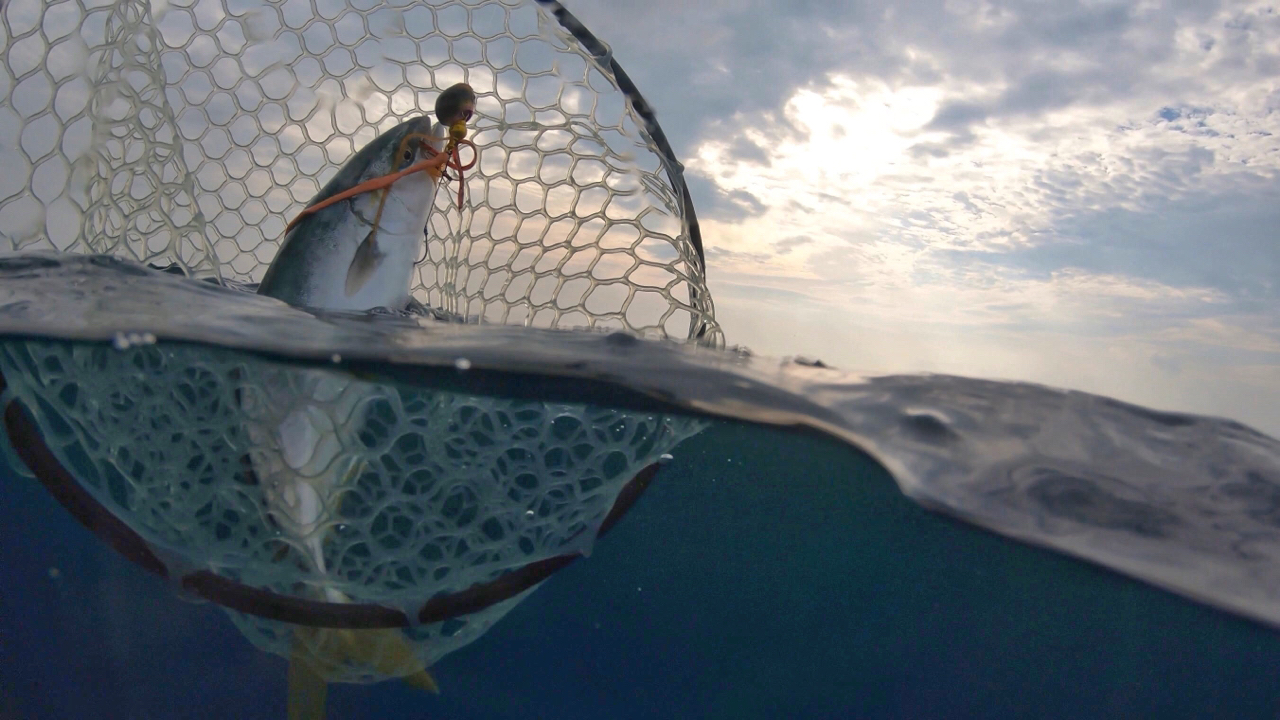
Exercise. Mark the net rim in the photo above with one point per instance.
(603, 56)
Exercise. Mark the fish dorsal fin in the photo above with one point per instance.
(364, 264)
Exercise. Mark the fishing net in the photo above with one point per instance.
(189, 132)
(186, 134)
(422, 493)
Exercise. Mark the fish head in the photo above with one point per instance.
(395, 149)
(404, 207)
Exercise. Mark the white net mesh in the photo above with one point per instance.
(188, 133)
(421, 493)
(191, 131)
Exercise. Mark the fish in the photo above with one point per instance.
(305, 422)
(357, 252)
(354, 248)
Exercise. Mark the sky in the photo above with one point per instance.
(1080, 194)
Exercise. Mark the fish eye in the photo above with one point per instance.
(408, 155)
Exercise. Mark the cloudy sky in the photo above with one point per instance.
(1083, 194)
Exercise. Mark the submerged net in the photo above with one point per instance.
(191, 131)
(423, 493)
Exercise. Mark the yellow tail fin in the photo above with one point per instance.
(318, 654)
(307, 690)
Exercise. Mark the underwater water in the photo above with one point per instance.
(765, 574)
(826, 545)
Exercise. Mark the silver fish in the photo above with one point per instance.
(359, 253)
(355, 254)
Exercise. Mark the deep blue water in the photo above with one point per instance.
(763, 575)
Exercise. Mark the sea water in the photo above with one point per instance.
(830, 545)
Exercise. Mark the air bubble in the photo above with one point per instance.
(124, 340)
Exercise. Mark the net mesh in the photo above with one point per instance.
(420, 492)
(191, 131)
(187, 133)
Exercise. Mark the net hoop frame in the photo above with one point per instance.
(601, 53)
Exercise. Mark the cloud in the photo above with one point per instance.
(704, 63)
(737, 256)
(714, 202)
(1225, 242)
(786, 245)
(746, 150)
(958, 115)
